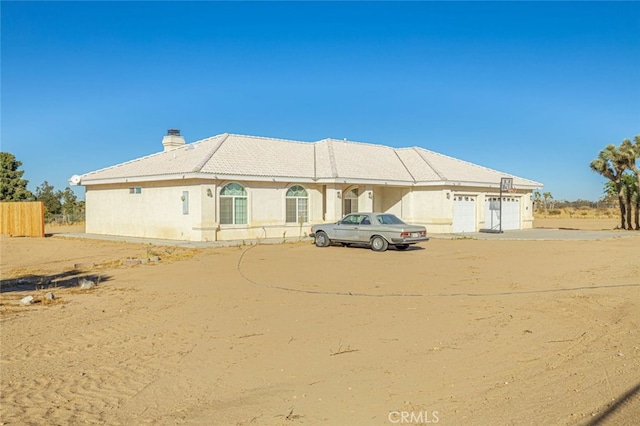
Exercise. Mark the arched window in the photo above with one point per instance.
(351, 201)
(233, 205)
(297, 205)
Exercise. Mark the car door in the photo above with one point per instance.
(347, 228)
(364, 229)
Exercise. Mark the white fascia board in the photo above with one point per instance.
(491, 185)
(349, 181)
(199, 176)
(444, 183)
(248, 178)
(332, 180)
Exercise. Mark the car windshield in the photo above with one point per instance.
(389, 219)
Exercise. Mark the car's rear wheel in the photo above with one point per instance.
(322, 240)
(402, 246)
(378, 243)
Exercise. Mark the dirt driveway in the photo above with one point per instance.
(459, 331)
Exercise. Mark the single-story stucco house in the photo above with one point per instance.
(232, 187)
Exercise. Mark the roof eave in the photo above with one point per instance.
(301, 179)
(192, 176)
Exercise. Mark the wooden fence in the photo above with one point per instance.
(22, 219)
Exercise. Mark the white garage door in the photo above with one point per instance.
(464, 213)
(510, 213)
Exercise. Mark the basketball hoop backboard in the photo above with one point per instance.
(506, 184)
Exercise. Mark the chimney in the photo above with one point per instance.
(172, 140)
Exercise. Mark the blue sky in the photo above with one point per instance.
(534, 89)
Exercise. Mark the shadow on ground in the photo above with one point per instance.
(66, 279)
(621, 404)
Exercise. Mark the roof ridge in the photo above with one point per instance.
(215, 149)
(355, 142)
(436, 171)
(269, 138)
(332, 159)
(315, 161)
(395, 151)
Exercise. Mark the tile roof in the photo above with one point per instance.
(327, 160)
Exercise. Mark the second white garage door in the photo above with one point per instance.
(510, 213)
(464, 213)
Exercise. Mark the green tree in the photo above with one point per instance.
(72, 209)
(612, 164)
(51, 199)
(12, 186)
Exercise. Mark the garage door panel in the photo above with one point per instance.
(464, 213)
(510, 213)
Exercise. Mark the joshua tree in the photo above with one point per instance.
(548, 199)
(612, 164)
(630, 153)
(537, 198)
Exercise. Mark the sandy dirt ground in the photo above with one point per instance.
(456, 331)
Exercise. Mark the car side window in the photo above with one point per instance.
(350, 220)
(385, 220)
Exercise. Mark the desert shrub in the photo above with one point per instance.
(554, 212)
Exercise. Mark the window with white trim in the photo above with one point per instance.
(297, 203)
(233, 205)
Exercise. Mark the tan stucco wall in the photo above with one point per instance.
(267, 212)
(433, 206)
(157, 212)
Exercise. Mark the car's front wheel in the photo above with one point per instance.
(378, 243)
(322, 240)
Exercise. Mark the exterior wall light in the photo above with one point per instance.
(370, 195)
(209, 193)
(339, 194)
(448, 195)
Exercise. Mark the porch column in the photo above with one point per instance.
(365, 200)
(208, 224)
(333, 203)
